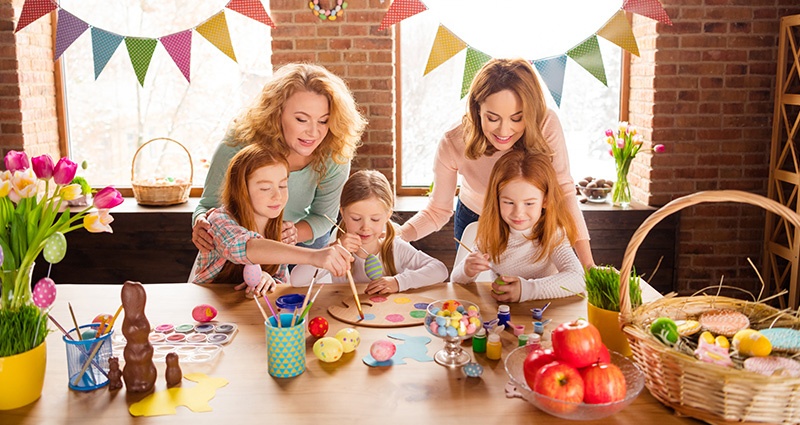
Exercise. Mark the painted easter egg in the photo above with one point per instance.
(350, 338)
(318, 326)
(44, 293)
(382, 350)
(328, 349)
(373, 267)
(55, 248)
(99, 318)
(252, 274)
(204, 313)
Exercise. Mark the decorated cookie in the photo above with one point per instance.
(783, 339)
(773, 365)
(724, 322)
(687, 327)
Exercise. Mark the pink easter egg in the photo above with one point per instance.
(382, 350)
(204, 313)
(44, 293)
(252, 274)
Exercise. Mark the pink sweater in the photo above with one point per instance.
(450, 162)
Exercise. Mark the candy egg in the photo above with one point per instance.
(318, 327)
(99, 318)
(204, 313)
(55, 248)
(328, 349)
(752, 343)
(44, 293)
(350, 338)
(382, 350)
(252, 274)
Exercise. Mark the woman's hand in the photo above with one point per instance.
(350, 242)
(289, 233)
(335, 258)
(475, 263)
(508, 292)
(266, 286)
(201, 238)
(383, 285)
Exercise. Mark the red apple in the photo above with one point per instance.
(603, 383)
(534, 361)
(603, 356)
(559, 381)
(577, 343)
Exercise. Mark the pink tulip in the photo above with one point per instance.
(609, 133)
(43, 166)
(64, 171)
(659, 148)
(16, 160)
(107, 198)
(621, 143)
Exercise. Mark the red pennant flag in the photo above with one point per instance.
(33, 10)
(399, 10)
(650, 8)
(253, 9)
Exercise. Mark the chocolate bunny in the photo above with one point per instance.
(139, 372)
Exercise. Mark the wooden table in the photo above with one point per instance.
(346, 391)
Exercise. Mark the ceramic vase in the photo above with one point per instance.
(22, 377)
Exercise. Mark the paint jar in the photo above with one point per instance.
(503, 315)
(479, 341)
(494, 348)
(534, 341)
(522, 340)
(538, 327)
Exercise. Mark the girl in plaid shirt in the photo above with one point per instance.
(247, 228)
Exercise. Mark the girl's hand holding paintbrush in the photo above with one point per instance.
(350, 242)
(335, 258)
(475, 263)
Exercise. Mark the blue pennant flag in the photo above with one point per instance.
(552, 72)
(104, 44)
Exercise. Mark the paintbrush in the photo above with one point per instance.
(272, 310)
(308, 306)
(498, 274)
(69, 337)
(261, 309)
(75, 321)
(355, 294)
(343, 232)
(308, 294)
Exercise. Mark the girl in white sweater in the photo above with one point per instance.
(367, 204)
(524, 234)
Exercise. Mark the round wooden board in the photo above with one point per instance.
(382, 311)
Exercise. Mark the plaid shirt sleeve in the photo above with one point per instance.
(230, 241)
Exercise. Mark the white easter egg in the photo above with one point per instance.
(328, 349)
(252, 274)
(55, 248)
(44, 293)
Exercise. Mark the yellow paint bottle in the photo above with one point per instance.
(494, 348)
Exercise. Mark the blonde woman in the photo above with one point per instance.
(307, 114)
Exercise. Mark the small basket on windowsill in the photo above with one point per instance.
(161, 191)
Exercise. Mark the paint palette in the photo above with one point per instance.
(383, 311)
(198, 343)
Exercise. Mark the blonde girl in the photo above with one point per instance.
(367, 205)
(524, 233)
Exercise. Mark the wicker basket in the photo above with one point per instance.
(161, 195)
(711, 393)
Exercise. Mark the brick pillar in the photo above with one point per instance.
(353, 48)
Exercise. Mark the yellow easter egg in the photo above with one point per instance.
(328, 349)
(707, 337)
(750, 342)
(349, 337)
(723, 342)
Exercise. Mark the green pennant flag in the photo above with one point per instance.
(140, 51)
(474, 62)
(587, 54)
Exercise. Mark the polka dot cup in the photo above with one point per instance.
(453, 321)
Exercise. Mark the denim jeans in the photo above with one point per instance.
(463, 217)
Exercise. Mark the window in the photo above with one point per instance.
(107, 119)
(430, 105)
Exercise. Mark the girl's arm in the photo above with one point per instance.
(469, 268)
(415, 268)
(570, 276)
(334, 258)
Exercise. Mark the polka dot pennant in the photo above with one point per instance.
(68, 30)
(44, 293)
(650, 8)
(55, 248)
(252, 9)
(179, 47)
(215, 30)
(140, 51)
(474, 62)
(445, 46)
(618, 31)
(587, 54)
(33, 10)
(552, 72)
(399, 10)
(104, 44)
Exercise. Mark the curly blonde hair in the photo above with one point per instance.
(261, 123)
(516, 75)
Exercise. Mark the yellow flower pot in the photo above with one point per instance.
(22, 377)
(607, 322)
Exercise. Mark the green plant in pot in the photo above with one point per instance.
(33, 219)
(603, 303)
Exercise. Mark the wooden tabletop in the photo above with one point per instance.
(346, 391)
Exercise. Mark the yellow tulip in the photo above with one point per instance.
(25, 183)
(70, 192)
(98, 222)
(5, 187)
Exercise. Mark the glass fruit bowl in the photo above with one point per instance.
(595, 194)
(634, 382)
(453, 321)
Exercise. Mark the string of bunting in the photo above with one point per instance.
(140, 49)
(617, 30)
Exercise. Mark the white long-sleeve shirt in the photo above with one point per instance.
(415, 269)
(538, 280)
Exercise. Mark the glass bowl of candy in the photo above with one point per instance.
(634, 383)
(453, 321)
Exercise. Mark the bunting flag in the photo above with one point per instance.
(445, 46)
(33, 10)
(215, 30)
(253, 9)
(618, 31)
(552, 72)
(399, 10)
(650, 8)
(104, 44)
(587, 54)
(179, 47)
(474, 62)
(140, 51)
(68, 30)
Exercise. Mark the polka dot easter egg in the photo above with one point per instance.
(252, 274)
(44, 293)
(55, 248)
(350, 338)
(204, 313)
(328, 349)
(318, 326)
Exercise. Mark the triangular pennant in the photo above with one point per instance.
(104, 44)
(587, 54)
(399, 10)
(252, 9)
(33, 10)
(618, 31)
(552, 72)
(474, 62)
(215, 30)
(179, 47)
(68, 30)
(140, 51)
(445, 46)
(650, 8)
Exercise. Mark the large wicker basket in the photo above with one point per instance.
(161, 194)
(714, 394)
